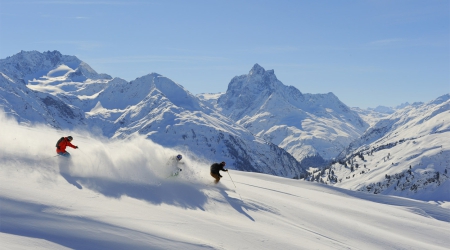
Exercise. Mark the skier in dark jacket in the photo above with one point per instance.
(215, 168)
(62, 144)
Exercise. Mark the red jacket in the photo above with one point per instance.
(63, 144)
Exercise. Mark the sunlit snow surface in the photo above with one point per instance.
(116, 195)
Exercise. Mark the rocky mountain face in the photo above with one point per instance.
(305, 125)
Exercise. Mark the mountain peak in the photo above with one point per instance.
(29, 65)
(54, 53)
(257, 69)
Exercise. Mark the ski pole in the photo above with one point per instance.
(235, 186)
(231, 179)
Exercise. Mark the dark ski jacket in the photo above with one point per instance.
(216, 167)
(63, 143)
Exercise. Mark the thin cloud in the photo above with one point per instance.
(93, 2)
(424, 42)
(385, 42)
(326, 67)
(82, 45)
(275, 49)
(64, 17)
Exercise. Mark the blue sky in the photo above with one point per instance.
(368, 53)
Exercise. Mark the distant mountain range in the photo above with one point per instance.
(405, 154)
(258, 124)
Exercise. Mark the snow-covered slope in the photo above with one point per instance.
(114, 194)
(370, 116)
(373, 115)
(65, 92)
(34, 87)
(209, 99)
(33, 66)
(31, 106)
(406, 154)
(303, 124)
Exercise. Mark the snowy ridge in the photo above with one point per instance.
(35, 65)
(30, 106)
(406, 154)
(209, 99)
(409, 118)
(370, 116)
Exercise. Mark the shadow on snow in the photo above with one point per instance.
(21, 218)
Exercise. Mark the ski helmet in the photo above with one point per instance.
(69, 138)
(179, 157)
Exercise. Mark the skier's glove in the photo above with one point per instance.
(76, 146)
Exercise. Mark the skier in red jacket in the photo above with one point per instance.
(61, 145)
